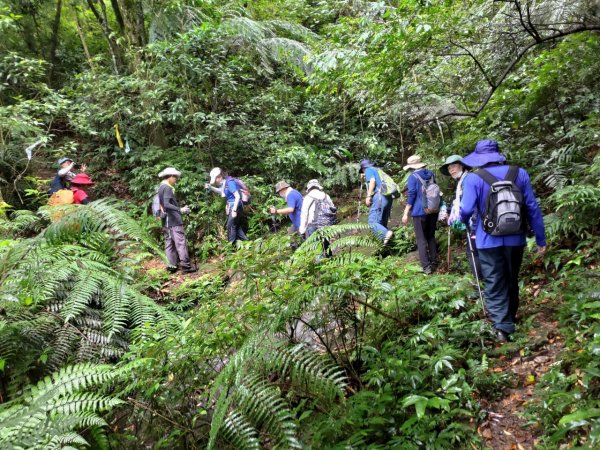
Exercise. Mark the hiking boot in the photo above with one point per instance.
(189, 269)
(501, 336)
(428, 270)
(388, 236)
(171, 269)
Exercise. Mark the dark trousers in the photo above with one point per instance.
(176, 246)
(425, 232)
(326, 251)
(500, 269)
(235, 229)
(473, 257)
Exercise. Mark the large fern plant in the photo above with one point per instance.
(49, 413)
(66, 295)
(248, 392)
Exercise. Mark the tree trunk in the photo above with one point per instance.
(133, 16)
(54, 41)
(113, 47)
(86, 51)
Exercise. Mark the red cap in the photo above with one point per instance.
(82, 178)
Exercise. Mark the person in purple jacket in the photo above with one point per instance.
(500, 256)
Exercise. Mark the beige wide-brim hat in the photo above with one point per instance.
(280, 186)
(169, 172)
(414, 162)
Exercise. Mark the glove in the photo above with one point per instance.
(443, 215)
(206, 185)
(185, 210)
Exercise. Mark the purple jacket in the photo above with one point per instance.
(475, 192)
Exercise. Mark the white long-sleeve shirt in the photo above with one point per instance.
(307, 215)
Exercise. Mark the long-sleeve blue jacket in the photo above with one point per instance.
(475, 192)
(414, 187)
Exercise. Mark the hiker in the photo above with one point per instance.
(380, 205)
(232, 190)
(318, 211)
(78, 184)
(455, 167)
(500, 230)
(424, 218)
(293, 198)
(64, 175)
(175, 242)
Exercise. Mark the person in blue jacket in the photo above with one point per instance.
(380, 206)
(500, 256)
(424, 224)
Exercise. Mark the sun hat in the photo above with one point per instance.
(82, 178)
(280, 186)
(214, 173)
(169, 172)
(452, 159)
(485, 152)
(63, 160)
(365, 164)
(313, 184)
(414, 162)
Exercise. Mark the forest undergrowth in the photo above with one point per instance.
(265, 348)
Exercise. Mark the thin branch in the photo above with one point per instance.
(511, 66)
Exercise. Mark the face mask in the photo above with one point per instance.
(457, 175)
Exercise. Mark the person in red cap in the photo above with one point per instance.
(78, 184)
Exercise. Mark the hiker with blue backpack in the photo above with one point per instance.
(236, 195)
(65, 175)
(504, 198)
(423, 205)
(381, 192)
(167, 209)
(318, 211)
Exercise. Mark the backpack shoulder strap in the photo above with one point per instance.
(418, 178)
(486, 176)
(513, 173)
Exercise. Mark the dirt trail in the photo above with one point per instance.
(505, 427)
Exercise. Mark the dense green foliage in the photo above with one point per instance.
(269, 348)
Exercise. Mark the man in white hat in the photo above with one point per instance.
(232, 189)
(318, 211)
(424, 223)
(175, 242)
(294, 200)
(64, 175)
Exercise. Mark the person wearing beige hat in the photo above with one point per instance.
(423, 223)
(294, 199)
(175, 242)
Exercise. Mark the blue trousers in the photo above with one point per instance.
(500, 269)
(379, 214)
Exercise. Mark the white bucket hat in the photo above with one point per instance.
(214, 173)
(313, 184)
(168, 172)
(414, 162)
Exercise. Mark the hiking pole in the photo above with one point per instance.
(448, 257)
(359, 200)
(470, 244)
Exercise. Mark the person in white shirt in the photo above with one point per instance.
(318, 211)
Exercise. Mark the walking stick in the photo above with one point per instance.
(448, 257)
(359, 200)
(470, 244)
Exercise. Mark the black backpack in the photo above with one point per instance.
(504, 207)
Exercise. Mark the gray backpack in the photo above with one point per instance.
(325, 213)
(504, 206)
(431, 196)
(157, 210)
